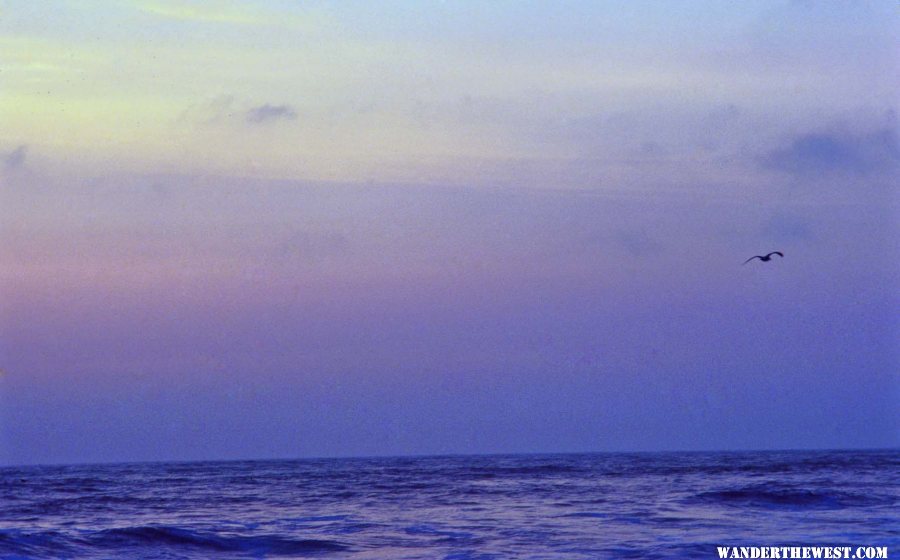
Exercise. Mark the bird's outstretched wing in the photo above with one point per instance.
(779, 253)
(753, 257)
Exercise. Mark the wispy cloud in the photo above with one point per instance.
(225, 109)
(212, 111)
(787, 228)
(210, 12)
(313, 245)
(816, 153)
(638, 243)
(268, 113)
(16, 158)
(232, 13)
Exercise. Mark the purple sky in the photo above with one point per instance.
(468, 234)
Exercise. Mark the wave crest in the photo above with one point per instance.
(178, 537)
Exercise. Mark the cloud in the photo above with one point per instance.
(268, 113)
(218, 12)
(16, 158)
(217, 110)
(638, 243)
(787, 228)
(313, 245)
(817, 153)
(229, 111)
(230, 12)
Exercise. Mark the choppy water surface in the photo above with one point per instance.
(673, 505)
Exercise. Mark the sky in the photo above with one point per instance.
(278, 229)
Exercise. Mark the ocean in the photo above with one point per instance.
(616, 505)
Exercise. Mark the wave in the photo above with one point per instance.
(527, 470)
(759, 464)
(43, 544)
(587, 514)
(768, 496)
(548, 506)
(37, 544)
(178, 537)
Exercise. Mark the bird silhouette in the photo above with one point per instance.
(766, 258)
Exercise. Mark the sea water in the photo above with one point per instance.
(641, 505)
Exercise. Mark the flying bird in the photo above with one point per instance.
(766, 258)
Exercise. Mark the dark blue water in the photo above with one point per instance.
(675, 505)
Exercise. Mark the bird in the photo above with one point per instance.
(766, 258)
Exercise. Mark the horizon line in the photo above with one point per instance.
(4, 466)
